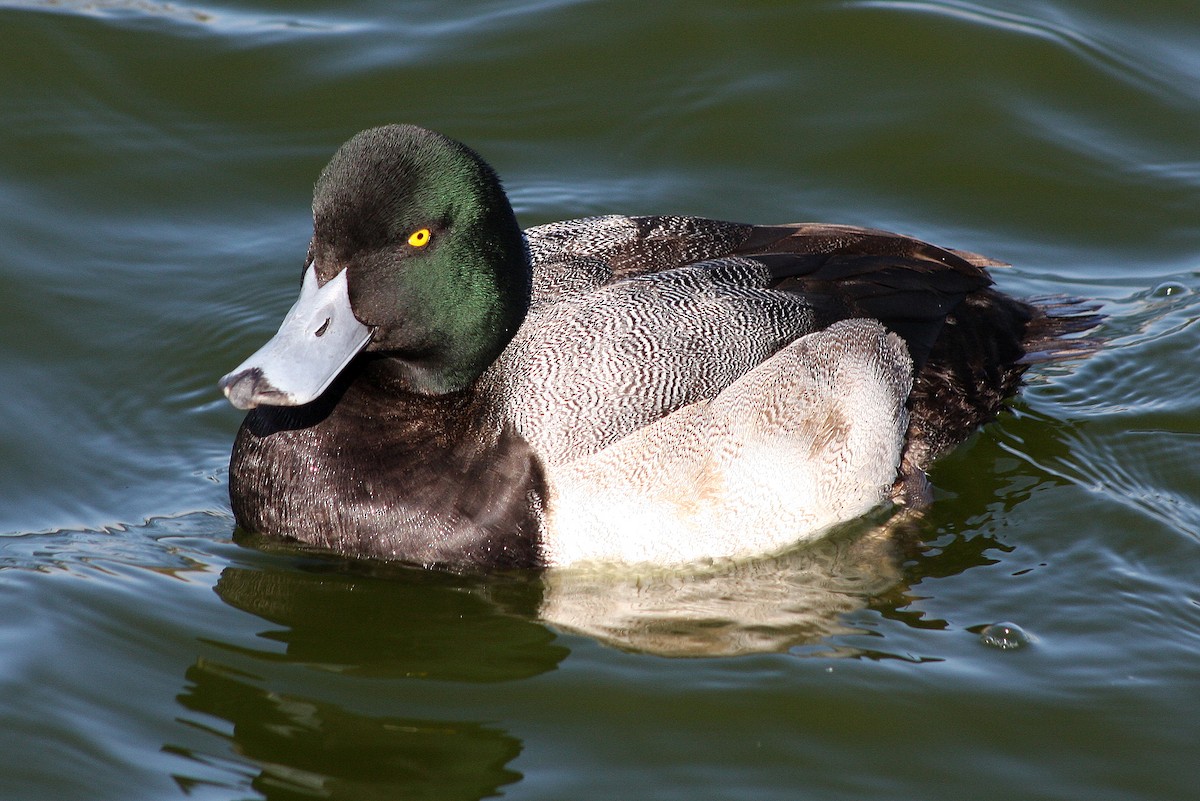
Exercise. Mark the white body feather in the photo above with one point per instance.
(809, 438)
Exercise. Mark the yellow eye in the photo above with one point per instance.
(419, 238)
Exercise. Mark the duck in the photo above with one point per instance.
(452, 391)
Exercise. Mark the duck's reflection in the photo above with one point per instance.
(799, 598)
(331, 698)
(381, 620)
(292, 732)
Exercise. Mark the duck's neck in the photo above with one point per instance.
(416, 392)
(414, 376)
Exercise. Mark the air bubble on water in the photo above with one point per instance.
(1005, 636)
(1169, 289)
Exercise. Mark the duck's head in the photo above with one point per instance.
(416, 257)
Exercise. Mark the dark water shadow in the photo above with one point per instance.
(289, 746)
(291, 713)
(378, 620)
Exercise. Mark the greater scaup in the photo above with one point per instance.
(450, 390)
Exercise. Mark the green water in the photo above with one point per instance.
(156, 161)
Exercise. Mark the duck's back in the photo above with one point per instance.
(635, 317)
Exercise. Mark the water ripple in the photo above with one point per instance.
(165, 545)
(1066, 31)
(223, 20)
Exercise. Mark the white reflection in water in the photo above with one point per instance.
(764, 605)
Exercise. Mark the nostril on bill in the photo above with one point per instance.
(320, 332)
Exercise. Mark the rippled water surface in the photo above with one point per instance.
(156, 161)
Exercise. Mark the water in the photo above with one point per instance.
(155, 166)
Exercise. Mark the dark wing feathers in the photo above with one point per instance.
(909, 285)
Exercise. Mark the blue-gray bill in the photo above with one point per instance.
(317, 339)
